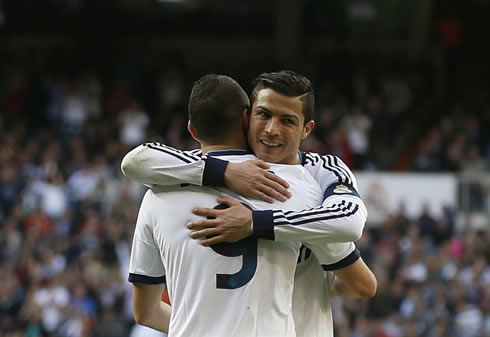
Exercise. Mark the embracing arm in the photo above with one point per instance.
(340, 218)
(158, 164)
(337, 220)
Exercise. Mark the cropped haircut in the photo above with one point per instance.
(216, 107)
(290, 84)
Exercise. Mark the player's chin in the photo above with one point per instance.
(269, 155)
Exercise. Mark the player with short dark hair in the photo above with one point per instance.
(290, 84)
(217, 96)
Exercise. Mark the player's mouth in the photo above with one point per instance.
(269, 144)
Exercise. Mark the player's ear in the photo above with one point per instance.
(246, 118)
(192, 131)
(307, 129)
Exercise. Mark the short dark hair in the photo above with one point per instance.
(287, 83)
(216, 107)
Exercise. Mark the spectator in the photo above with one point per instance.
(358, 125)
(134, 122)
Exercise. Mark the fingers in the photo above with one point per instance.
(273, 187)
(209, 236)
(205, 212)
(227, 201)
(260, 163)
(262, 196)
(271, 194)
(213, 240)
(200, 224)
(204, 233)
(273, 190)
(276, 192)
(275, 178)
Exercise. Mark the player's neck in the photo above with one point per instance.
(228, 146)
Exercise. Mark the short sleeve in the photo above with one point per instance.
(334, 256)
(145, 266)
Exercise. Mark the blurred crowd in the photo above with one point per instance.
(67, 220)
(433, 280)
(67, 214)
(457, 141)
(363, 113)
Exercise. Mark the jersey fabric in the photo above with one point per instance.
(312, 310)
(340, 218)
(328, 229)
(233, 289)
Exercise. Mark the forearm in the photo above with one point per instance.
(159, 319)
(339, 288)
(148, 309)
(340, 220)
(355, 281)
(156, 164)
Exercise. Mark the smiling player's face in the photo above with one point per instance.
(277, 127)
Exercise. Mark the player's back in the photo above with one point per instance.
(232, 289)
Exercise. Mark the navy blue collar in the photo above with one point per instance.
(241, 152)
(230, 152)
(302, 157)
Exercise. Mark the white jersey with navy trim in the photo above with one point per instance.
(312, 309)
(233, 289)
(340, 218)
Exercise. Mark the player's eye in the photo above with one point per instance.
(262, 113)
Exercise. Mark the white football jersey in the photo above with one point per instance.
(232, 289)
(312, 311)
(326, 229)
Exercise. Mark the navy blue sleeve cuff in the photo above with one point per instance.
(345, 262)
(214, 172)
(143, 279)
(263, 224)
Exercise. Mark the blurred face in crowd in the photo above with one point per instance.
(277, 126)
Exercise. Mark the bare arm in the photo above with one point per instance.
(148, 308)
(355, 281)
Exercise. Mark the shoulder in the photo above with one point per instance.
(286, 171)
(327, 166)
(302, 184)
(186, 156)
(324, 160)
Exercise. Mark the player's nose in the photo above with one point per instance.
(271, 126)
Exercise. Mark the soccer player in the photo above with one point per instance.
(280, 114)
(231, 289)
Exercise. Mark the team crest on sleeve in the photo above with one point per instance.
(341, 189)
